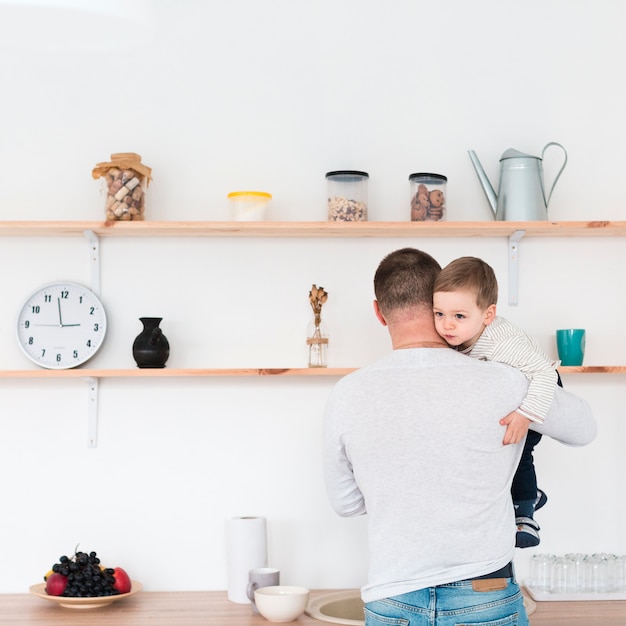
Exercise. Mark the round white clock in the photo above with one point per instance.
(61, 325)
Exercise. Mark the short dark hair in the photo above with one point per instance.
(405, 279)
(469, 273)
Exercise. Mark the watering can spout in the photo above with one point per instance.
(484, 181)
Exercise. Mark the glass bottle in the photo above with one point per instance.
(317, 340)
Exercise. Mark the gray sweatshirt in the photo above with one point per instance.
(414, 441)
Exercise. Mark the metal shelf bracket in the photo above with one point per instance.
(92, 413)
(514, 240)
(94, 259)
(92, 399)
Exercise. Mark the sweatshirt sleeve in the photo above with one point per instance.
(343, 492)
(569, 420)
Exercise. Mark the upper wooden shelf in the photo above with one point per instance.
(228, 372)
(312, 229)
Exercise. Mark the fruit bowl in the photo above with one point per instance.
(39, 590)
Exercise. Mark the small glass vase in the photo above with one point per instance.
(317, 340)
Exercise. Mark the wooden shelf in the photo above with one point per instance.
(233, 372)
(174, 373)
(312, 229)
(592, 369)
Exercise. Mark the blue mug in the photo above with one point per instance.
(570, 344)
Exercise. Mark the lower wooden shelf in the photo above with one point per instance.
(175, 372)
(230, 372)
(593, 369)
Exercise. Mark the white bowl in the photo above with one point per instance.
(281, 603)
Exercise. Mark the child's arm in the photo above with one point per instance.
(534, 407)
(542, 376)
(541, 388)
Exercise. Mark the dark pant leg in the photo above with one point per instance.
(524, 486)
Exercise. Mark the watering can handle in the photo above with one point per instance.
(554, 143)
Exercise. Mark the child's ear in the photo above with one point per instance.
(490, 314)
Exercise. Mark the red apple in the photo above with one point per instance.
(122, 580)
(55, 584)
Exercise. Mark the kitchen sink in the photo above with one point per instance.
(338, 607)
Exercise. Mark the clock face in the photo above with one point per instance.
(61, 325)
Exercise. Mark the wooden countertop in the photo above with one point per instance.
(212, 608)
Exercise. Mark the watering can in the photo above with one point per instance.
(521, 194)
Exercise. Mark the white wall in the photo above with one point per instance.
(270, 96)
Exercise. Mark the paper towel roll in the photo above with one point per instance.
(246, 548)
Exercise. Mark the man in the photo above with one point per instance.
(414, 441)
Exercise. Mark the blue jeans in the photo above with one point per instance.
(454, 604)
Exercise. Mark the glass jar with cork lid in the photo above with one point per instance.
(126, 179)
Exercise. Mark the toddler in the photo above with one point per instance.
(464, 304)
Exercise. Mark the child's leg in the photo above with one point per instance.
(524, 486)
(527, 497)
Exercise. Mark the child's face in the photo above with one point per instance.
(458, 319)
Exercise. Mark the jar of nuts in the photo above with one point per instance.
(126, 179)
(428, 197)
(347, 196)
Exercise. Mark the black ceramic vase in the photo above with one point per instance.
(151, 348)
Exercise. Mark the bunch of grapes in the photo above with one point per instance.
(85, 576)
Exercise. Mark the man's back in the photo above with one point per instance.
(430, 465)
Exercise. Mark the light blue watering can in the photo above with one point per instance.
(521, 193)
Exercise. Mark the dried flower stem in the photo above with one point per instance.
(317, 298)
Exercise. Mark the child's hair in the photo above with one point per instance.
(469, 273)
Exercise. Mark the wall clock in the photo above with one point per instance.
(61, 325)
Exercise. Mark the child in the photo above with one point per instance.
(464, 303)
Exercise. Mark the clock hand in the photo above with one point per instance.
(60, 318)
(56, 325)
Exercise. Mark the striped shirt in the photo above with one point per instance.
(505, 343)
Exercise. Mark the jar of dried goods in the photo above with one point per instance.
(428, 197)
(126, 179)
(347, 196)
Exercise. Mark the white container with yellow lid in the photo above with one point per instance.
(249, 206)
